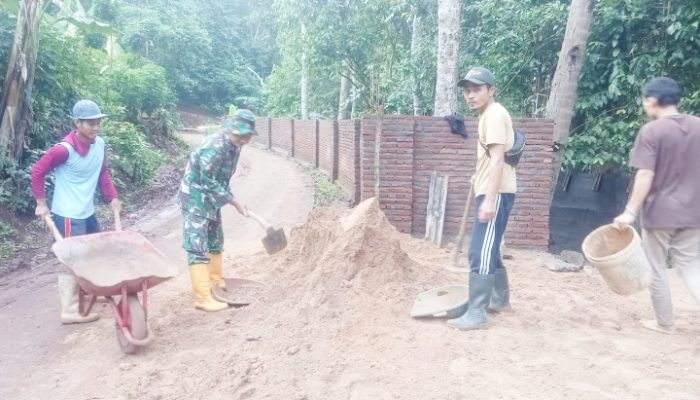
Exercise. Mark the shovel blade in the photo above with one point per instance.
(275, 240)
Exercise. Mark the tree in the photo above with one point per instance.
(631, 42)
(562, 98)
(15, 104)
(304, 80)
(519, 41)
(365, 41)
(448, 48)
(16, 100)
(344, 101)
(416, 34)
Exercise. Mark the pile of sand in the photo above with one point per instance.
(342, 262)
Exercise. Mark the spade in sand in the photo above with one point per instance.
(275, 239)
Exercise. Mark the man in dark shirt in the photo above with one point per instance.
(666, 194)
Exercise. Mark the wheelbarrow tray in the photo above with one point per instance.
(103, 263)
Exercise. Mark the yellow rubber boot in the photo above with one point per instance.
(201, 286)
(216, 273)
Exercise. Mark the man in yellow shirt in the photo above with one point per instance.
(494, 186)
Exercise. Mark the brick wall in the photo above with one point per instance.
(395, 168)
(529, 222)
(305, 143)
(282, 136)
(349, 157)
(411, 149)
(328, 147)
(437, 149)
(262, 126)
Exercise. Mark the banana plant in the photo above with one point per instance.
(15, 103)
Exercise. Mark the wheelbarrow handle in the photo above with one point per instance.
(117, 221)
(52, 227)
(259, 219)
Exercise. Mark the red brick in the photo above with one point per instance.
(413, 147)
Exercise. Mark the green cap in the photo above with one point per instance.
(478, 76)
(242, 122)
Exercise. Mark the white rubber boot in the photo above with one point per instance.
(68, 292)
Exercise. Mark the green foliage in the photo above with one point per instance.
(132, 157)
(631, 42)
(213, 52)
(15, 188)
(368, 42)
(519, 40)
(282, 87)
(326, 192)
(604, 145)
(141, 89)
(95, 40)
(7, 31)
(7, 240)
(65, 72)
(10, 7)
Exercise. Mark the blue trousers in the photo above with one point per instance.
(76, 227)
(485, 246)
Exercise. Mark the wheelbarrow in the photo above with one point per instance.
(117, 263)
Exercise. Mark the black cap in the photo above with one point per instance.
(478, 76)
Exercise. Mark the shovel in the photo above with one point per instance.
(457, 250)
(275, 240)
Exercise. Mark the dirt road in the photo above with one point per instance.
(333, 323)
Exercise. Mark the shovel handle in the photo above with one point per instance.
(456, 251)
(52, 227)
(259, 219)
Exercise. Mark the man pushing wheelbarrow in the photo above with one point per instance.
(115, 265)
(80, 165)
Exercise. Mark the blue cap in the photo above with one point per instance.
(87, 109)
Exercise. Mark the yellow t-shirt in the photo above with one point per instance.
(495, 127)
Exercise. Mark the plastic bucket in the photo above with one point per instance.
(619, 257)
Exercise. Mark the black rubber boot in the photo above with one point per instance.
(480, 287)
(500, 298)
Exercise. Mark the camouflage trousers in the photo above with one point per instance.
(201, 236)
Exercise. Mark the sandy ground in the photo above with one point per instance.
(333, 323)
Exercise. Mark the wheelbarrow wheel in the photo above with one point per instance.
(139, 328)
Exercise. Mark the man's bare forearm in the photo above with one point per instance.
(497, 155)
(640, 190)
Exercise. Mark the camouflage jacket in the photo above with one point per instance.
(205, 185)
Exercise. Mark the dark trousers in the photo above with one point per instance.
(485, 246)
(76, 227)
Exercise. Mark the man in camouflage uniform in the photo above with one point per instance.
(203, 191)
